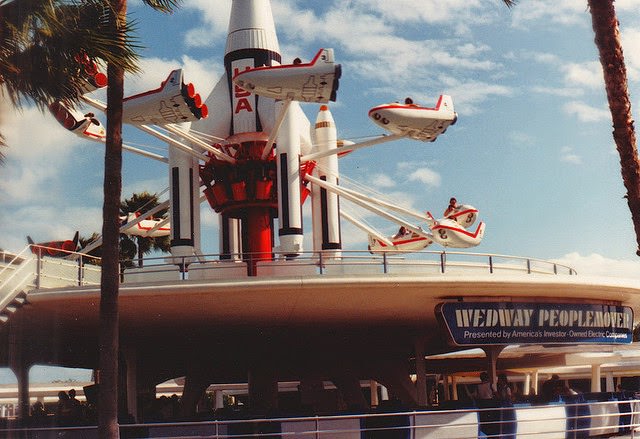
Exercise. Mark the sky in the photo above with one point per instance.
(532, 148)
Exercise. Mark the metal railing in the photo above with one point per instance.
(30, 269)
(75, 271)
(355, 262)
(570, 420)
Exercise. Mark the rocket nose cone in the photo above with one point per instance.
(251, 26)
(324, 118)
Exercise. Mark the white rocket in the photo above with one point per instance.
(325, 204)
(234, 112)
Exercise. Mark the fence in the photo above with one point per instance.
(347, 263)
(561, 420)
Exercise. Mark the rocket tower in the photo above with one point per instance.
(260, 180)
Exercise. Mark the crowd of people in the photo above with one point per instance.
(553, 389)
(70, 411)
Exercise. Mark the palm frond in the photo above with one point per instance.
(40, 43)
(163, 5)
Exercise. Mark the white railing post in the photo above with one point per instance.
(39, 267)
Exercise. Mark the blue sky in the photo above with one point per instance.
(532, 148)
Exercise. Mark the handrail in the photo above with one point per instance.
(13, 290)
(13, 261)
(563, 419)
(319, 263)
(324, 259)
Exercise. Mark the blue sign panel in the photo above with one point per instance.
(488, 323)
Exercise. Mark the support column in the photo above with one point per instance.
(218, 399)
(394, 374)
(263, 389)
(22, 373)
(195, 384)
(534, 379)
(492, 353)
(348, 385)
(131, 361)
(421, 373)
(384, 393)
(445, 385)
(454, 387)
(373, 391)
(595, 377)
(20, 366)
(527, 384)
(610, 384)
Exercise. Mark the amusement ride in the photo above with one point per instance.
(266, 158)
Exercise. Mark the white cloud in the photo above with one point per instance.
(567, 155)
(426, 176)
(631, 45)
(380, 53)
(627, 5)
(382, 181)
(38, 155)
(545, 58)
(551, 12)
(45, 222)
(469, 96)
(203, 74)
(565, 92)
(425, 11)
(520, 138)
(216, 20)
(586, 113)
(598, 265)
(588, 74)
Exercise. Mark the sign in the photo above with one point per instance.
(489, 323)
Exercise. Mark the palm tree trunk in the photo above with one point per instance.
(110, 280)
(607, 39)
(140, 253)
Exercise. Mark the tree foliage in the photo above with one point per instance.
(142, 202)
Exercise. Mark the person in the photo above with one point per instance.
(38, 414)
(549, 388)
(532, 393)
(503, 389)
(401, 232)
(76, 406)
(408, 101)
(451, 208)
(484, 390)
(64, 410)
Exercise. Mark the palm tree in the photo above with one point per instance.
(139, 203)
(40, 41)
(110, 278)
(607, 39)
(96, 252)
